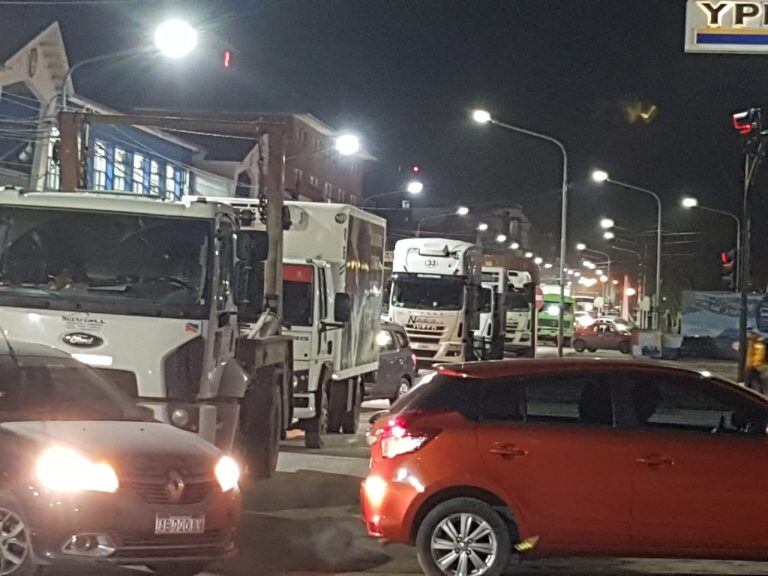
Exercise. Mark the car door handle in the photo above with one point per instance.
(655, 460)
(508, 451)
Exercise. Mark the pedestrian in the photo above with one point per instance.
(756, 358)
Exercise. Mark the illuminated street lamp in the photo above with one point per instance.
(538, 260)
(581, 246)
(608, 235)
(460, 211)
(606, 223)
(515, 246)
(689, 202)
(485, 117)
(482, 227)
(529, 255)
(414, 187)
(547, 265)
(347, 144)
(601, 176)
(501, 238)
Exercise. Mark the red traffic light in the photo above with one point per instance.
(725, 257)
(742, 121)
(416, 168)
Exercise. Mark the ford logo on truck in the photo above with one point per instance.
(82, 340)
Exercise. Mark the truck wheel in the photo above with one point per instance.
(351, 419)
(260, 428)
(315, 429)
(337, 406)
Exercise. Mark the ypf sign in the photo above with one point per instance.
(726, 26)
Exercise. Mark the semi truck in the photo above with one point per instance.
(151, 294)
(522, 275)
(436, 296)
(333, 261)
(489, 341)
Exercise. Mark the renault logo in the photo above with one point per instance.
(175, 486)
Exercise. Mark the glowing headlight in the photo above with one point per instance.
(553, 310)
(227, 473)
(383, 339)
(62, 469)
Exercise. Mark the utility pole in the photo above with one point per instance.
(73, 170)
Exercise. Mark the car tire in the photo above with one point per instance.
(579, 345)
(15, 543)
(402, 389)
(493, 548)
(625, 348)
(593, 350)
(316, 428)
(180, 569)
(350, 420)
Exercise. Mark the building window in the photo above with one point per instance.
(303, 137)
(318, 144)
(138, 174)
(170, 180)
(298, 176)
(328, 191)
(314, 181)
(120, 169)
(154, 178)
(52, 168)
(99, 165)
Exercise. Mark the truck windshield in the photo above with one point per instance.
(444, 293)
(49, 388)
(103, 262)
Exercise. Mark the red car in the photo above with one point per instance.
(604, 334)
(569, 457)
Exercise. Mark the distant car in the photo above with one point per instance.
(88, 479)
(569, 457)
(397, 365)
(604, 334)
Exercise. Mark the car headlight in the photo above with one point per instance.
(62, 469)
(227, 473)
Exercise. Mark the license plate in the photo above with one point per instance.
(179, 524)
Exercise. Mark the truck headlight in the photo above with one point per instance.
(227, 473)
(62, 469)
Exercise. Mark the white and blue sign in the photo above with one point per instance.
(726, 26)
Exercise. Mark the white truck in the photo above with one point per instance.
(436, 296)
(489, 341)
(333, 256)
(149, 293)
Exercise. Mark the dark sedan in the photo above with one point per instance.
(397, 364)
(87, 478)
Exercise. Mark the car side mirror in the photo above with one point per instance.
(342, 307)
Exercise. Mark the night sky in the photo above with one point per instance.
(404, 74)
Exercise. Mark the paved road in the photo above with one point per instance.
(305, 521)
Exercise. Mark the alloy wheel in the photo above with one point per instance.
(14, 542)
(403, 389)
(464, 545)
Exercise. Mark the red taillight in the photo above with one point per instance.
(399, 438)
(415, 359)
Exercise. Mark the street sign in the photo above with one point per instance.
(539, 299)
(726, 26)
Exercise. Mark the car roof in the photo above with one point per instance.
(19, 348)
(518, 367)
(392, 326)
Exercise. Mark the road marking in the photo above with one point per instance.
(294, 462)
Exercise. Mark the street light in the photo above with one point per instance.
(482, 227)
(607, 223)
(414, 187)
(538, 260)
(515, 246)
(501, 238)
(460, 211)
(547, 265)
(529, 255)
(175, 38)
(581, 246)
(602, 177)
(689, 202)
(484, 117)
(608, 235)
(347, 144)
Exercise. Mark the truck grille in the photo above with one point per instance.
(548, 323)
(123, 379)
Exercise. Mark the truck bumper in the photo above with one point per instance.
(427, 354)
(304, 406)
(216, 422)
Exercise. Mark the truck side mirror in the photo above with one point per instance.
(342, 307)
(475, 300)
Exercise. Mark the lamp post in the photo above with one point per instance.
(601, 176)
(413, 187)
(581, 247)
(344, 144)
(173, 38)
(460, 211)
(688, 202)
(484, 117)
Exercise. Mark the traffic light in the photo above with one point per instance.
(728, 268)
(748, 123)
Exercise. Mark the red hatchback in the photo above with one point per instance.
(577, 457)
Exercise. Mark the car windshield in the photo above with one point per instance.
(445, 293)
(50, 388)
(103, 262)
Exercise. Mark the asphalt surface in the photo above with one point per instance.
(305, 520)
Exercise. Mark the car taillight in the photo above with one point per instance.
(415, 359)
(398, 438)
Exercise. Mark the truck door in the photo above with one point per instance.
(325, 342)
